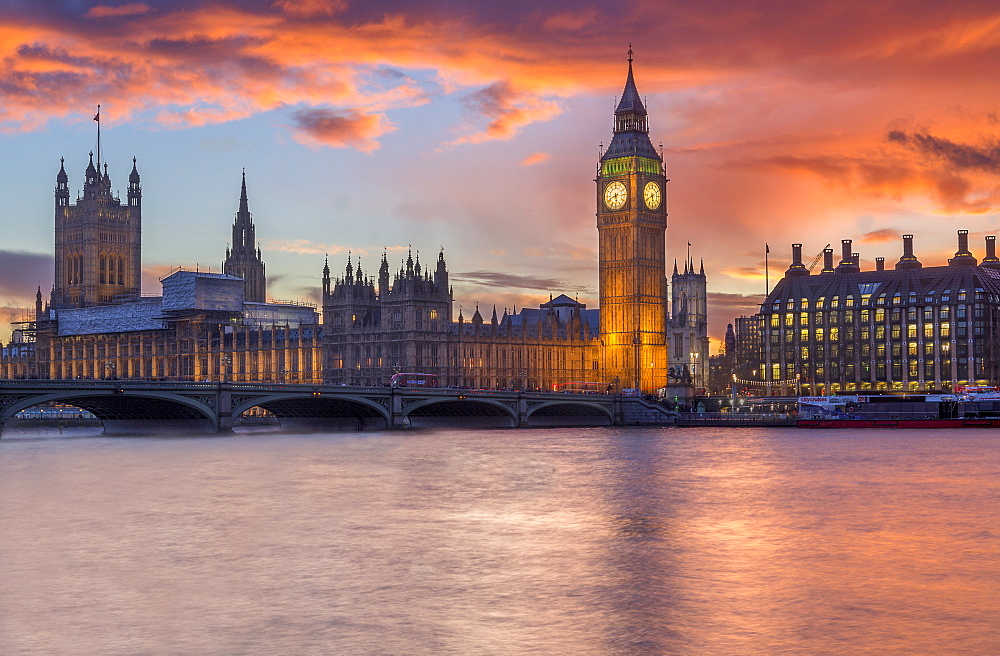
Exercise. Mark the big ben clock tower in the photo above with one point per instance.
(631, 226)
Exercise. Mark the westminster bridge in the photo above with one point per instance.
(133, 406)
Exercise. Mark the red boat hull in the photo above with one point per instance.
(898, 423)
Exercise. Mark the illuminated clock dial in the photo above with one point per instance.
(615, 195)
(651, 193)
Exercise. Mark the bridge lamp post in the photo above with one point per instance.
(694, 367)
(227, 361)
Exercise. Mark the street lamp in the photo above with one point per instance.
(694, 368)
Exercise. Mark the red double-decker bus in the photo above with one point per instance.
(413, 380)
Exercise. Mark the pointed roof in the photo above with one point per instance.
(244, 205)
(630, 103)
(134, 175)
(61, 176)
(561, 301)
(631, 137)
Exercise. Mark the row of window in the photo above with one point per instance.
(848, 317)
(898, 298)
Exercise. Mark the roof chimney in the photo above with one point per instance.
(827, 260)
(963, 257)
(847, 263)
(908, 260)
(797, 268)
(991, 260)
(880, 264)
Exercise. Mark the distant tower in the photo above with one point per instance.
(631, 225)
(98, 240)
(689, 321)
(243, 260)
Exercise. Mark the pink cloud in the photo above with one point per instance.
(340, 129)
(108, 11)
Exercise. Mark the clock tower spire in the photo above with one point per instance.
(631, 225)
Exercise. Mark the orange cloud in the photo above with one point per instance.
(309, 8)
(536, 158)
(880, 236)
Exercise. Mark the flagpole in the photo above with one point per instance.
(767, 284)
(97, 117)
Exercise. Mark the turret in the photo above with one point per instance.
(326, 277)
(134, 189)
(62, 186)
(90, 175)
(383, 278)
(441, 274)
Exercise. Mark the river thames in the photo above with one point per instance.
(556, 541)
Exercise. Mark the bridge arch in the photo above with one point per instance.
(461, 411)
(128, 411)
(317, 411)
(562, 412)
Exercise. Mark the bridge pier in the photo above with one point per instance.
(522, 411)
(224, 408)
(397, 419)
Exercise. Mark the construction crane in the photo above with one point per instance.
(812, 264)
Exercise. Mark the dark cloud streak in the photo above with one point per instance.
(985, 157)
(508, 280)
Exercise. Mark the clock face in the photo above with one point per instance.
(651, 193)
(615, 195)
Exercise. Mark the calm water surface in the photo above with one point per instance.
(575, 541)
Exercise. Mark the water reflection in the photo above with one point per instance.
(556, 541)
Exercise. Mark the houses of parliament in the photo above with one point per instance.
(648, 332)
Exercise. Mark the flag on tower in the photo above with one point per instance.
(97, 116)
(767, 249)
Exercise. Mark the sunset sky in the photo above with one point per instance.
(476, 127)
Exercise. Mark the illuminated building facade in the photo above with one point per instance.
(912, 328)
(687, 326)
(373, 329)
(631, 226)
(200, 328)
(218, 327)
(97, 240)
